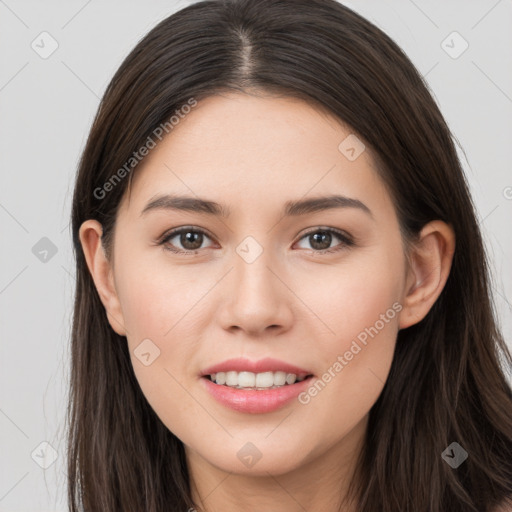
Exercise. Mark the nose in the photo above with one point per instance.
(258, 299)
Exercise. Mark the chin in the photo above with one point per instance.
(256, 458)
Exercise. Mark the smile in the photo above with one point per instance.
(255, 381)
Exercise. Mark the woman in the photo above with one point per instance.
(282, 296)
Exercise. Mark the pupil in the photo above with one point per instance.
(317, 238)
(187, 240)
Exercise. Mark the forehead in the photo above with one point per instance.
(256, 148)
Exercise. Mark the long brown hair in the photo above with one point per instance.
(446, 383)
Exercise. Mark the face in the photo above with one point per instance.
(310, 291)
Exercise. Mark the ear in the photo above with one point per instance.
(101, 272)
(430, 261)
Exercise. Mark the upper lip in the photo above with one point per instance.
(263, 365)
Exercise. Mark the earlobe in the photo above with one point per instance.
(102, 273)
(430, 263)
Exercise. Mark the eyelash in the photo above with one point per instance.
(346, 240)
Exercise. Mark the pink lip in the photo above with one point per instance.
(263, 365)
(250, 400)
(254, 401)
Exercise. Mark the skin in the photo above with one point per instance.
(252, 153)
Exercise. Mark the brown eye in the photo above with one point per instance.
(320, 240)
(190, 240)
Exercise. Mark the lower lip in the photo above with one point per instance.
(253, 401)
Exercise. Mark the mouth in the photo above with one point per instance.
(256, 381)
(258, 398)
(255, 387)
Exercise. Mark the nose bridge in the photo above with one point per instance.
(254, 282)
(257, 298)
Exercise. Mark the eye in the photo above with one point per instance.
(191, 239)
(320, 240)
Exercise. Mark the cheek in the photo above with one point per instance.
(352, 296)
(156, 299)
(157, 310)
(163, 315)
(362, 319)
(359, 308)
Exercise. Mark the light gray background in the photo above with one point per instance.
(46, 109)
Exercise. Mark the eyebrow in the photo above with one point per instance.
(291, 208)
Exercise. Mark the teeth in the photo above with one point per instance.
(231, 379)
(245, 380)
(280, 378)
(265, 380)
